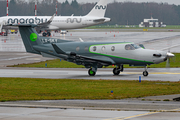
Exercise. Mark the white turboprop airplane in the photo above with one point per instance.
(94, 17)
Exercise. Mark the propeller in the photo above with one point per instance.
(168, 57)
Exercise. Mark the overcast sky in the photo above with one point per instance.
(176, 2)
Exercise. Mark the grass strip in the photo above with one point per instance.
(174, 63)
(13, 89)
(132, 27)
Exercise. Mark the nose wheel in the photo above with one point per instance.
(145, 73)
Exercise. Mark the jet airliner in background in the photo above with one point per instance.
(94, 17)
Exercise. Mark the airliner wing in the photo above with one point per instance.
(47, 23)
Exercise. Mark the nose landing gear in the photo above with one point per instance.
(145, 73)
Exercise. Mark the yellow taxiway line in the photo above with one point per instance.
(139, 115)
(170, 73)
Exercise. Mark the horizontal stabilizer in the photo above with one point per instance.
(99, 20)
(57, 49)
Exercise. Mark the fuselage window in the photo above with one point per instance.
(113, 48)
(129, 47)
(103, 48)
(78, 48)
(94, 48)
(86, 48)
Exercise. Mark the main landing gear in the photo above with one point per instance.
(91, 72)
(44, 34)
(118, 69)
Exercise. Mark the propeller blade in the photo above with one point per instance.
(169, 56)
(168, 63)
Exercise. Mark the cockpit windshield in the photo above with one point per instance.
(132, 47)
(136, 46)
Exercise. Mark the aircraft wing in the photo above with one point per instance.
(46, 23)
(101, 59)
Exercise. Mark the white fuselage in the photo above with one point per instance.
(59, 22)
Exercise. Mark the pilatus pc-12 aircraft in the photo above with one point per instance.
(94, 17)
(92, 55)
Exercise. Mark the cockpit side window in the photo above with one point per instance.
(129, 47)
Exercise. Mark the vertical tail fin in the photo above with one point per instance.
(99, 9)
(30, 37)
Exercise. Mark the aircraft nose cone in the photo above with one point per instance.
(170, 55)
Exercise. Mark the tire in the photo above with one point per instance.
(91, 73)
(145, 73)
(116, 71)
(49, 34)
(44, 34)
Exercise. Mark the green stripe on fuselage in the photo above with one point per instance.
(148, 62)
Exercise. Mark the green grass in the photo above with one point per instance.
(174, 63)
(12, 89)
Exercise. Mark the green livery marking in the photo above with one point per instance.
(33, 37)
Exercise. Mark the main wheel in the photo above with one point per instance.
(44, 34)
(91, 72)
(145, 73)
(116, 71)
(48, 33)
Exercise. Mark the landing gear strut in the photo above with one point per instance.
(145, 73)
(118, 69)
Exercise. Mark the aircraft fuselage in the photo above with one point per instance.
(59, 22)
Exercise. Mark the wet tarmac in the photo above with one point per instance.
(155, 74)
(12, 51)
(151, 40)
